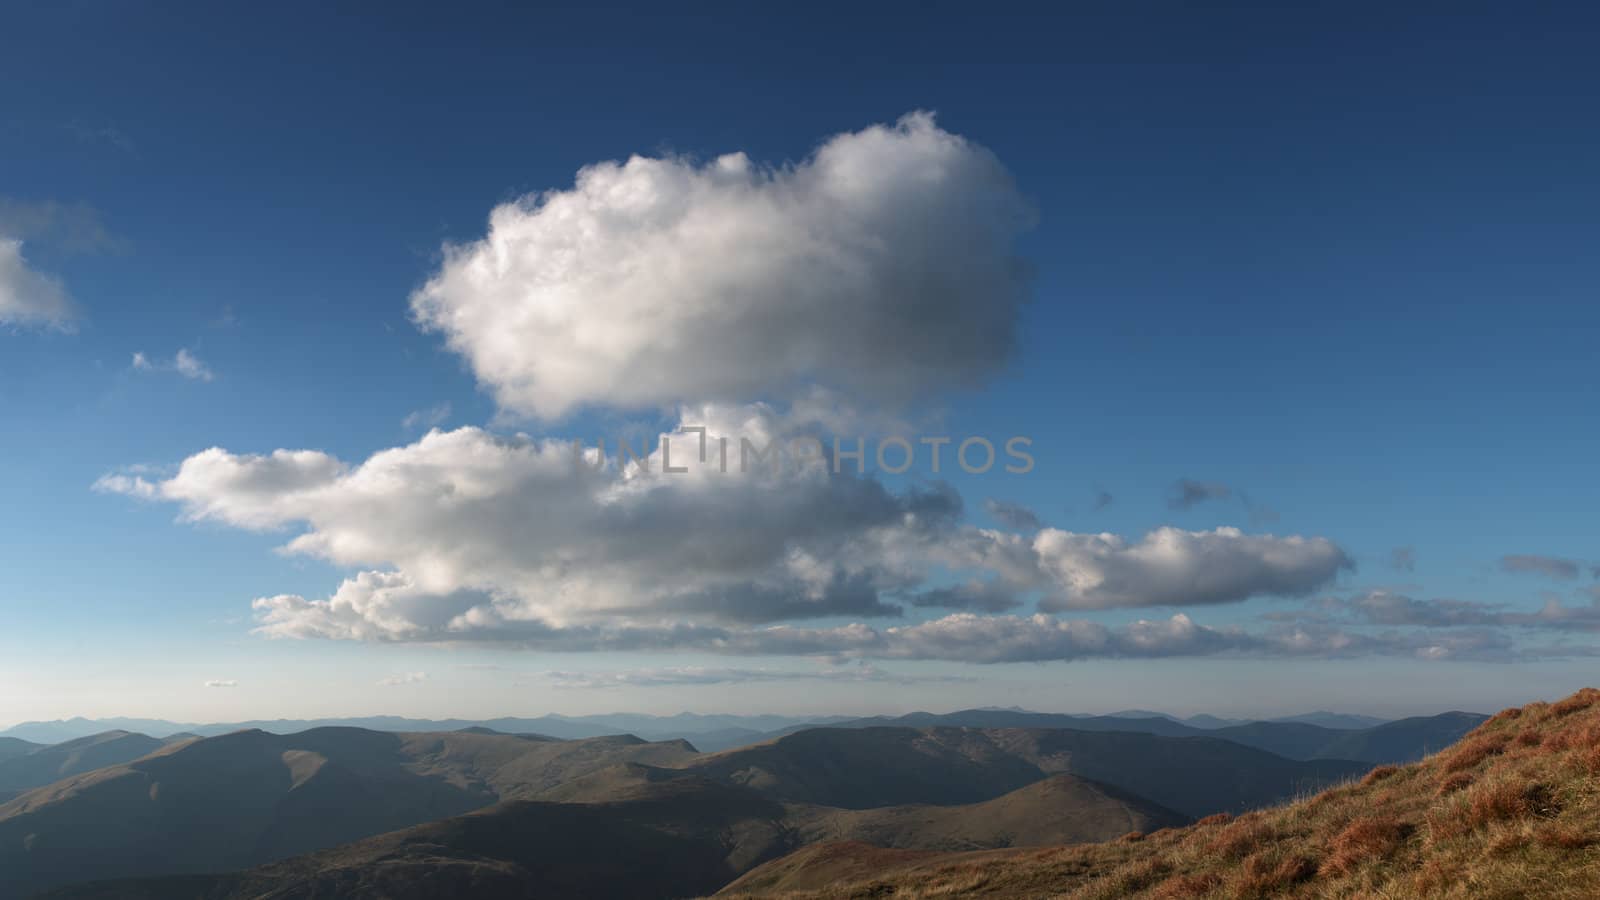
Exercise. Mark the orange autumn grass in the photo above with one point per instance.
(1510, 811)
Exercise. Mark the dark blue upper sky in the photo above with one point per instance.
(1340, 257)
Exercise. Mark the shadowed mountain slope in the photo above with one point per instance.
(869, 767)
(681, 838)
(243, 799)
(44, 765)
(668, 835)
(1404, 740)
(11, 748)
(1510, 811)
(1062, 809)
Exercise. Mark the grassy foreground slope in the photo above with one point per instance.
(1511, 811)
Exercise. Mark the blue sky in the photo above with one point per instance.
(1339, 261)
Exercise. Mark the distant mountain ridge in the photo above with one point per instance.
(858, 768)
(1403, 740)
(715, 731)
(48, 763)
(11, 747)
(718, 731)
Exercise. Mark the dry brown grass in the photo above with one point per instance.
(1363, 840)
(1472, 751)
(1179, 887)
(1452, 783)
(1511, 811)
(1268, 873)
(1565, 837)
(1509, 800)
(1379, 774)
(1241, 838)
(1590, 760)
(1577, 702)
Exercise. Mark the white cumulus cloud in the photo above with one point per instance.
(882, 265)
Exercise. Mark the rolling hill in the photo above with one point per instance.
(682, 836)
(43, 765)
(859, 768)
(11, 748)
(1404, 740)
(243, 799)
(1510, 811)
(1062, 809)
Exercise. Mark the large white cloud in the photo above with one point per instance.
(29, 297)
(882, 265)
(465, 533)
(1170, 566)
(1167, 567)
(516, 528)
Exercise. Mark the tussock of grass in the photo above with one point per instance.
(1363, 840)
(1379, 774)
(1511, 811)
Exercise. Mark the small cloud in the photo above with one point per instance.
(66, 228)
(1533, 564)
(185, 363)
(1187, 493)
(431, 417)
(1403, 559)
(222, 683)
(1013, 515)
(107, 135)
(29, 297)
(190, 366)
(128, 485)
(227, 318)
(404, 678)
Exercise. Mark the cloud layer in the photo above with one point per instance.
(882, 265)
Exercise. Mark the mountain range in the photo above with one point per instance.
(500, 815)
(721, 732)
(344, 811)
(1507, 812)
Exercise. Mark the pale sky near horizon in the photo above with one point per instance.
(1295, 309)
